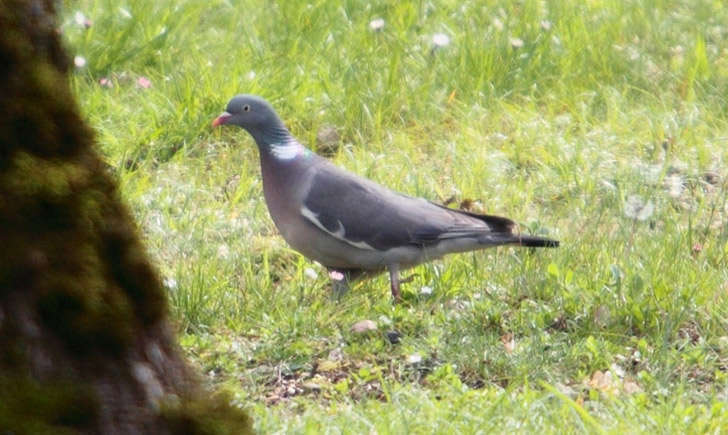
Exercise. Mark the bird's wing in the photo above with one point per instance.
(368, 216)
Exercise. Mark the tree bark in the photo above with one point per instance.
(84, 341)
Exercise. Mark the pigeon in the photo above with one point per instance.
(351, 225)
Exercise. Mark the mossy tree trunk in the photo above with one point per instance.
(84, 341)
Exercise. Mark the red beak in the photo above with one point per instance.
(222, 119)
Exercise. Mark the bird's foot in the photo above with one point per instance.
(394, 283)
(339, 283)
(396, 295)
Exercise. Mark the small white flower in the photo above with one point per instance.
(636, 208)
(497, 23)
(250, 75)
(81, 19)
(546, 24)
(336, 275)
(310, 273)
(440, 40)
(223, 251)
(516, 42)
(376, 24)
(426, 290)
(414, 358)
(125, 13)
(170, 283)
(79, 61)
(144, 83)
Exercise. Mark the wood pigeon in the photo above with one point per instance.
(352, 225)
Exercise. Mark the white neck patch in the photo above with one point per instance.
(286, 151)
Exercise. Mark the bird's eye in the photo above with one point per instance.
(246, 108)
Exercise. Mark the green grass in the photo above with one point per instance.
(557, 114)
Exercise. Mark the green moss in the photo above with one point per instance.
(85, 326)
(49, 408)
(211, 416)
(77, 290)
(88, 253)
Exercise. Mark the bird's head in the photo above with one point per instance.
(255, 115)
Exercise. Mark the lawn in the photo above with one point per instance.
(601, 123)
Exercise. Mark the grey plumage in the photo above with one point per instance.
(348, 223)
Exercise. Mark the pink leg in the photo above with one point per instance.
(394, 282)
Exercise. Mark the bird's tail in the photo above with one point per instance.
(502, 231)
(535, 241)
